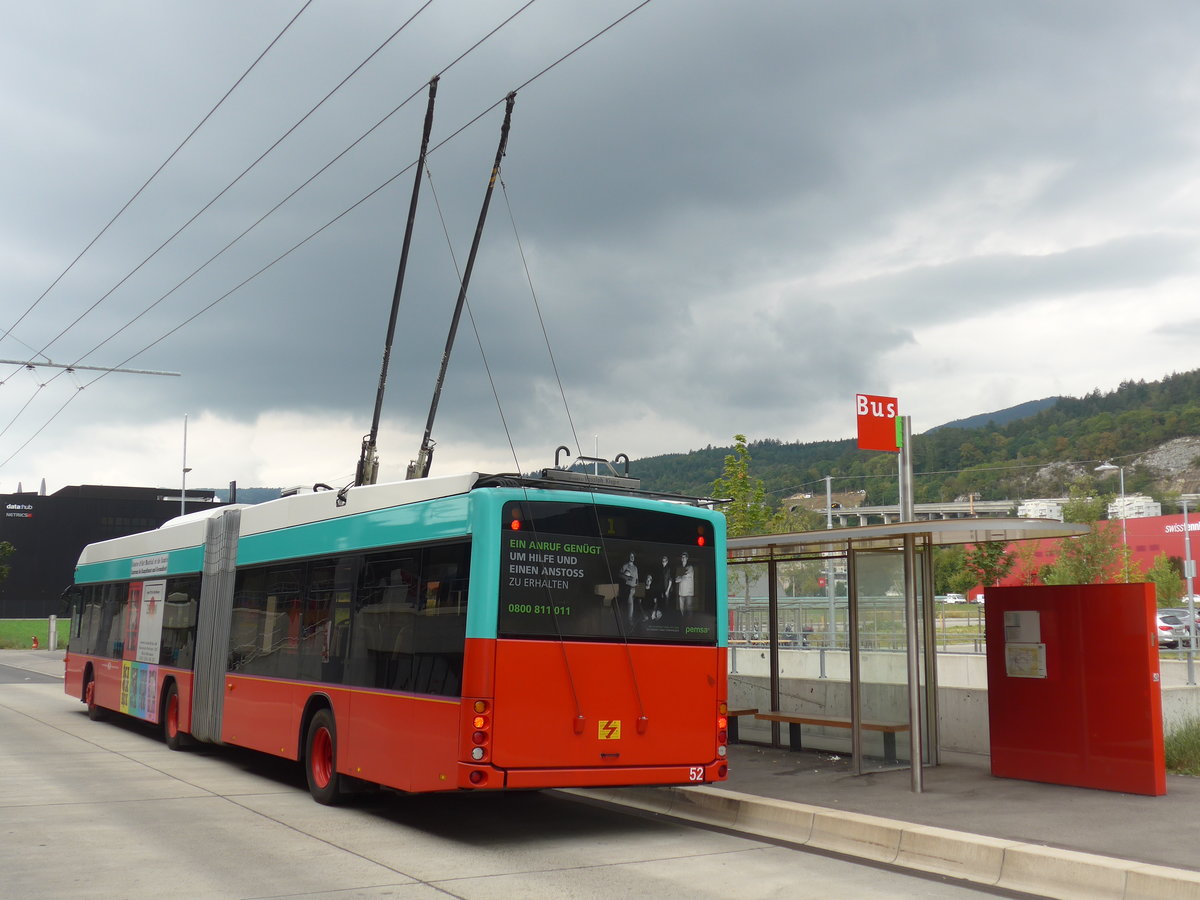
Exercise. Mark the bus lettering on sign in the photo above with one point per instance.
(877, 429)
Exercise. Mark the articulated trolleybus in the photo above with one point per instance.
(460, 632)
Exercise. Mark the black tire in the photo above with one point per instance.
(320, 759)
(95, 713)
(172, 736)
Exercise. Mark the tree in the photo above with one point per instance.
(1092, 558)
(6, 550)
(1026, 562)
(950, 574)
(990, 562)
(1168, 583)
(747, 511)
(786, 521)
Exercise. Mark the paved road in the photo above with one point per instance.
(103, 809)
(14, 675)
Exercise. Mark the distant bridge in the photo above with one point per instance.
(956, 509)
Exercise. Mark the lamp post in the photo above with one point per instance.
(1109, 467)
(1189, 573)
(183, 482)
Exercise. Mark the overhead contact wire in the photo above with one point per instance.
(243, 174)
(157, 171)
(344, 212)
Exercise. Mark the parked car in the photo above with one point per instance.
(954, 598)
(1172, 632)
(1181, 613)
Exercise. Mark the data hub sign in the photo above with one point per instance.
(878, 422)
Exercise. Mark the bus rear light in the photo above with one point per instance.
(722, 771)
(722, 723)
(722, 736)
(479, 737)
(478, 753)
(721, 751)
(479, 722)
(481, 706)
(723, 708)
(477, 776)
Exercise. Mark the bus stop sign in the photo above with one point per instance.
(878, 423)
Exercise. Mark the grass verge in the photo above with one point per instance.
(1183, 749)
(18, 634)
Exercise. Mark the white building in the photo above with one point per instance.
(1134, 506)
(1041, 509)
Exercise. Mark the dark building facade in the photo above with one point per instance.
(48, 532)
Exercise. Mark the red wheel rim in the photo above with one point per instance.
(173, 715)
(321, 762)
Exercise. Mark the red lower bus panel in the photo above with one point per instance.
(595, 706)
(620, 777)
(404, 741)
(262, 714)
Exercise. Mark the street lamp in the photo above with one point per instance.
(1189, 572)
(1109, 467)
(183, 482)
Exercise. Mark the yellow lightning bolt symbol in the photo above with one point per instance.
(610, 730)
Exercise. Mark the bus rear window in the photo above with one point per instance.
(582, 571)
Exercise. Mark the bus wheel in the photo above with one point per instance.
(320, 759)
(172, 736)
(95, 713)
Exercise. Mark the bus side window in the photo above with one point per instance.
(381, 639)
(113, 621)
(179, 622)
(72, 599)
(325, 618)
(90, 625)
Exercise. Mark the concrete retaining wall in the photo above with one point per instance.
(962, 696)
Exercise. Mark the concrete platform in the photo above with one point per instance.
(1042, 839)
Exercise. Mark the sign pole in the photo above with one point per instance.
(912, 609)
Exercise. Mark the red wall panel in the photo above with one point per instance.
(1095, 720)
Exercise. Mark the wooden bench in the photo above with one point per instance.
(795, 720)
(732, 716)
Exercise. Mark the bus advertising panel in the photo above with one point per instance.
(583, 571)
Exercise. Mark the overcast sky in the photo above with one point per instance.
(735, 217)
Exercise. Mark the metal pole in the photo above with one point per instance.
(183, 485)
(773, 649)
(912, 610)
(932, 740)
(1124, 533)
(855, 666)
(1189, 573)
(829, 592)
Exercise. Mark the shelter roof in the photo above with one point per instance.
(938, 532)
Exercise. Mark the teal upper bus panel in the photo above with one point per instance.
(184, 561)
(431, 520)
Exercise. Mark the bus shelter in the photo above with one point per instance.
(834, 633)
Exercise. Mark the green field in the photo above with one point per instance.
(18, 634)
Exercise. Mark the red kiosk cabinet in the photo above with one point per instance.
(1074, 687)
